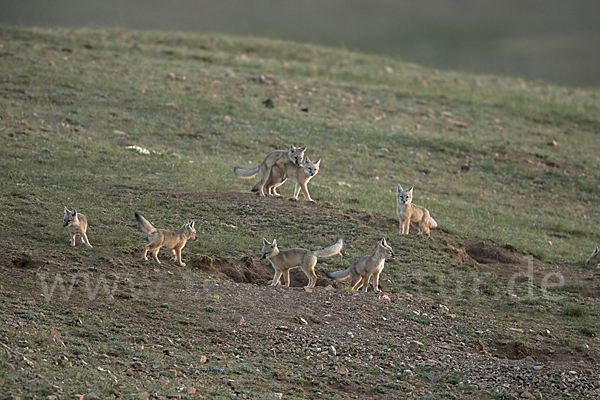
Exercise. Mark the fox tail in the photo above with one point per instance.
(331, 250)
(245, 173)
(144, 224)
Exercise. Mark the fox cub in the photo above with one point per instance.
(77, 224)
(595, 257)
(173, 241)
(412, 214)
(282, 261)
(361, 270)
(301, 175)
(277, 157)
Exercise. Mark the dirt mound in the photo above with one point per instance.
(487, 253)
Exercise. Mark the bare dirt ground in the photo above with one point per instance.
(217, 328)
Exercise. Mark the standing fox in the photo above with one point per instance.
(361, 270)
(282, 261)
(173, 241)
(77, 224)
(300, 175)
(278, 157)
(595, 257)
(412, 214)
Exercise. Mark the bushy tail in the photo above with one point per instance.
(432, 223)
(245, 173)
(339, 274)
(331, 250)
(144, 224)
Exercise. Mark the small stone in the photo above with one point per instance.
(173, 396)
(191, 390)
(276, 395)
(203, 359)
(283, 328)
(308, 290)
(91, 396)
(117, 394)
(51, 397)
(227, 119)
(124, 142)
(303, 321)
(526, 395)
(413, 347)
(329, 288)
(239, 319)
(332, 351)
(163, 380)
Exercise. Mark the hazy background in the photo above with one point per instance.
(554, 40)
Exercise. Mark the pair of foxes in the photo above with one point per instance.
(76, 223)
(277, 167)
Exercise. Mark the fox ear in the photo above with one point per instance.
(411, 189)
(302, 148)
(399, 188)
(292, 148)
(318, 162)
(66, 210)
(274, 244)
(307, 160)
(265, 242)
(596, 250)
(192, 223)
(383, 243)
(74, 212)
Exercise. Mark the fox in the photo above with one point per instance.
(362, 269)
(412, 214)
(282, 261)
(173, 241)
(277, 157)
(300, 175)
(595, 257)
(77, 224)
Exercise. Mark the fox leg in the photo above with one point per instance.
(155, 254)
(265, 175)
(144, 256)
(304, 192)
(276, 278)
(406, 227)
(365, 282)
(376, 282)
(73, 239)
(310, 273)
(356, 283)
(84, 239)
(178, 256)
(286, 277)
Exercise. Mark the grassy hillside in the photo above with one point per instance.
(499, 162)
(68, 96)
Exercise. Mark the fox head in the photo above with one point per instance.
(296, 154)
(404, 196)
(269, 249)
(385, 249)
(191, 231)
(595, 257)
(70, 218)
(310, 168)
